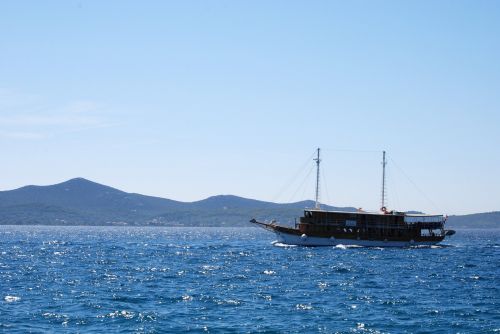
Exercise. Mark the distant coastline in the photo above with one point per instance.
(80, 202)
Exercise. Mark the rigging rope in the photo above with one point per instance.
(325, 186)
(293, 178)
(438, 209)
(350, 150)
(324, 182)
(302, 184)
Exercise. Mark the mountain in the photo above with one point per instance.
(78, 201)
(82, 202)
(82, 193)
(477, 220)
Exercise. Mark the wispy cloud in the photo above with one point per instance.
(32, 118)
(55, 119)
(23, 135)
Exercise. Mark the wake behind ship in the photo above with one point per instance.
(383, 229)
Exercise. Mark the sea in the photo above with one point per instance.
(237, 280)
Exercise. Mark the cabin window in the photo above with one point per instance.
(350, 223)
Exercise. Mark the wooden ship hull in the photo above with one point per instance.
(376, 229)
(331, 228)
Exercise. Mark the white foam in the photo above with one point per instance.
(303, 307)
(322, 285)
(232, 302)
(279, 244)
(125, 314)
(209, 267)
(342, 246)
(11, 299)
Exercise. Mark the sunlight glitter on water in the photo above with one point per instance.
(234, 280)
(11, 299)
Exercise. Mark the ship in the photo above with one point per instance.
(385, 228)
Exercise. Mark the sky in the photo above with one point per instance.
(190, 99)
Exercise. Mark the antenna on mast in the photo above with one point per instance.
(318, 160)
(384, 162)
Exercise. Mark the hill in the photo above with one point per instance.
(82, 202)
(78, 201)
(476, 220)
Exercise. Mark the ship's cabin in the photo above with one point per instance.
(393, 223)
(342, 218)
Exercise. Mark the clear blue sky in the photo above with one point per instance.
(188, 99)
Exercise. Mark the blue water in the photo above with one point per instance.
(169, 280)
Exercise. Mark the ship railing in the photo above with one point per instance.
(402, 226)
(423, 219)
(431, 226)
(436, 225)
(342, 225)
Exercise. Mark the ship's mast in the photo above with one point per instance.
(384, 162)
(318, 160)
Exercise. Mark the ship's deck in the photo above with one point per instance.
(395, 213)
(408, 217)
